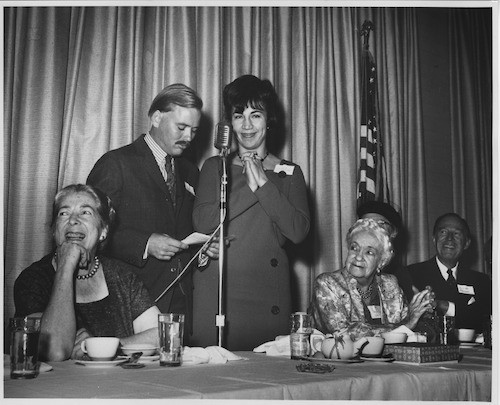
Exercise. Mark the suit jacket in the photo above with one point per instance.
(471, 305)
(131, 178)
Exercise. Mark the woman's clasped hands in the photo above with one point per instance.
(254, 170)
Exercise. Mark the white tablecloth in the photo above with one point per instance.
(265, 377)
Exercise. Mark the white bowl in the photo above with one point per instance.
(394, 337)
(147, 350)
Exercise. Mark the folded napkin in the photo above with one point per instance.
(280, 346)
(277, 347)
(210, 355)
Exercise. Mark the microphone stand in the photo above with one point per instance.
(220, 318)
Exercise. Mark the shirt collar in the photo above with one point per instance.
(158, 153)
(444, 270)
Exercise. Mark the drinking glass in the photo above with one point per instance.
(25, 334)
(447, 335)
(171, 330)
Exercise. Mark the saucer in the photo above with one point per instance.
(147, 359)
(101, 364)
(320, 360)
(386, 359)
(469, 344)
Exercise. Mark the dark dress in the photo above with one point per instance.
(257, 291)
(111, 316)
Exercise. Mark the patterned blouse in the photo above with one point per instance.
(337, 305)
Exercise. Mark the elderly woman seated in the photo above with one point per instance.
(77, 293)
(359, 298)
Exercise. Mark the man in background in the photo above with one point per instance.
(460, 292)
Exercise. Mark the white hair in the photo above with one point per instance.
(370, 225)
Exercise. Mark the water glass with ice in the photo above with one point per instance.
(171, 330)
(25, 334)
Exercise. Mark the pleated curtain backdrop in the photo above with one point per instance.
(471, 116)
(78, 82)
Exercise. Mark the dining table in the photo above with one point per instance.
(264, 377)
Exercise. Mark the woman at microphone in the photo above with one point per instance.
(266, 207)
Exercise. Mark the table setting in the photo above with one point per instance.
(331, 367)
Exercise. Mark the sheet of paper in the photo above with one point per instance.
(196, 238)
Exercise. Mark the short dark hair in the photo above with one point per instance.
(178, 94)
(104, 207)
(248, 90)
(454, 215)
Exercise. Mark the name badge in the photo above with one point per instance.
(465, 289)
(375, 311)
(284, 168)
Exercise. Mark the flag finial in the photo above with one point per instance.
(365, 32)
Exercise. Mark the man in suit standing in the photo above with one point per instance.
(152, 188)
(460, 292)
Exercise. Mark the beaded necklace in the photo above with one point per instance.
(366, 295)
(91, 273)
(256, 156)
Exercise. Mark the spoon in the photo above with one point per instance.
(132, 362)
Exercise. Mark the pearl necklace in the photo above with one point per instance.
(91, 273)
(256, 156)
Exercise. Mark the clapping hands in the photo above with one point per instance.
(423, 301)
(254, 170)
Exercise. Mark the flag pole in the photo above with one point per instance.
(365, 32)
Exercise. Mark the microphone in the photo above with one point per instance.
(223, 135)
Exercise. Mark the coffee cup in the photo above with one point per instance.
(100, 348)
(394, 337)
(374, 347)
(466, 335)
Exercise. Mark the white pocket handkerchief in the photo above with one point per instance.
(189, 188)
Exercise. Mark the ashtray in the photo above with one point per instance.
(314, 368)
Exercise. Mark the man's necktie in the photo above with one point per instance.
(451, 280)
(170, 169)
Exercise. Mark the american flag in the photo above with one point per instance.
(372, 173)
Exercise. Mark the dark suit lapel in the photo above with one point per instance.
(183, 183)
(179, 186)
(436, 271)
(148, 161)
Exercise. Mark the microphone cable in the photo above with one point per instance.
(209, 240)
